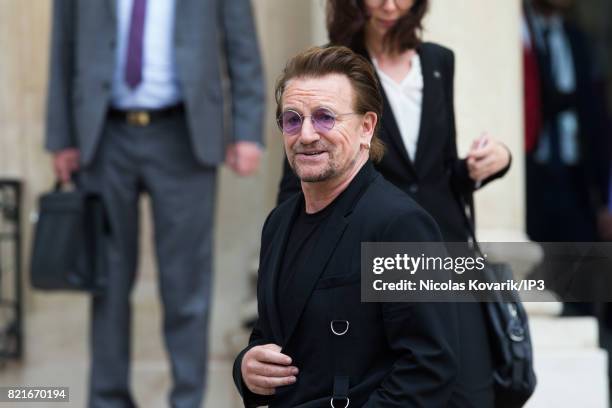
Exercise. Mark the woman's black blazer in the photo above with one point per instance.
(437, 178)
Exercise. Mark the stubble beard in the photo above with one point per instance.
(328, 172)
(331, 170)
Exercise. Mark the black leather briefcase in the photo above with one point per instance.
(71, 234)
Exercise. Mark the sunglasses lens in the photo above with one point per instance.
(291, 122)
(323, 120)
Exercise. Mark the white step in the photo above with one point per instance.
(572, 370)
(570, 378)
(563, 332)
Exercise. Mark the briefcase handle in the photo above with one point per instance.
(72, 185)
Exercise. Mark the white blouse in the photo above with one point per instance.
(405, 99)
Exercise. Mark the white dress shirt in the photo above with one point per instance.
(406, 99)
(159, 87)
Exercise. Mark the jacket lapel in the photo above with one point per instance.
(112, 8)
(389, 125)
(274, 262)
(431, 74)
(308, 276)
(388, 122)
(181, 14)
(306, 279)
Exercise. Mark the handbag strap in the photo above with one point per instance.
(467, 210)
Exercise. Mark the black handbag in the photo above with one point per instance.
(508, 329)
(70, 241)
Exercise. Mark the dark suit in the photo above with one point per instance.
(173, 159)
(395, 354)
(438, 180)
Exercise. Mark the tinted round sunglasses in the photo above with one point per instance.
(323, 120)
(401, 4)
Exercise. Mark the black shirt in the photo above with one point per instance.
(303, 237)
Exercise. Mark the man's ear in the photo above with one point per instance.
(369, 124)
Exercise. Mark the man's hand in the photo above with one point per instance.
(65, 162)
(243, 157)
(486, 157)
(264, 368)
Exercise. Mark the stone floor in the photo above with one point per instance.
(571, 369)
(57, 354)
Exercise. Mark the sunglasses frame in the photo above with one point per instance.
(316, 125)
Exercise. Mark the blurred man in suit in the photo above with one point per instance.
(135, 104)
(566, 140)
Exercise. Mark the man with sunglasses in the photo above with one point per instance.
(315, 343)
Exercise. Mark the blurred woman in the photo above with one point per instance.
(418, 130)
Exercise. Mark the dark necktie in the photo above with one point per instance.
(133, 68)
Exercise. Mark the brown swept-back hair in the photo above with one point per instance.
(317, 62)
(346, 20)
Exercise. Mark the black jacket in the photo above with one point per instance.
(437, 177)
(395, 354)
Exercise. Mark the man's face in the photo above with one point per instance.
(318, 156)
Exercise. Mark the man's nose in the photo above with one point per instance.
(308, 133)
